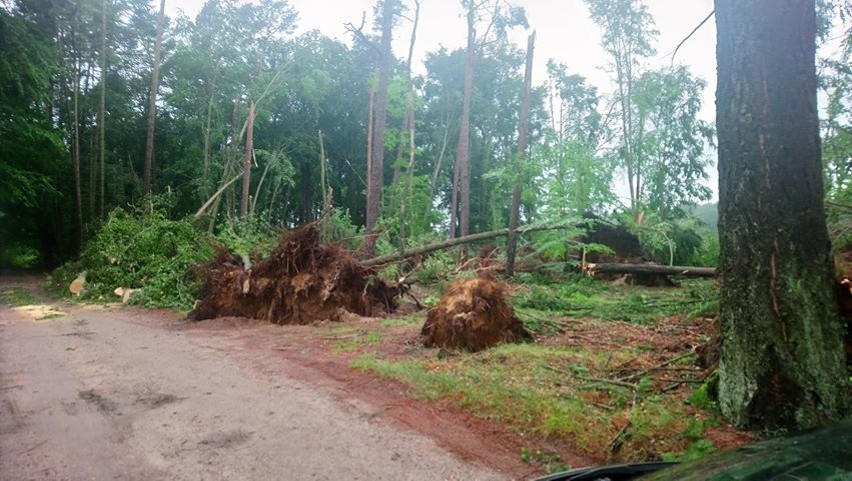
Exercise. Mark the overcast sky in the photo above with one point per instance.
(564, 33)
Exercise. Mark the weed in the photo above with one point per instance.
(407, 321)
(371, 337)
(50, 315)
(17, 297)
(551, 462)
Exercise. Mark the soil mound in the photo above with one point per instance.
(301, 282)
(473, 315)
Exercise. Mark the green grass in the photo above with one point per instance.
(356, 342)
(544, 392)
(406, 321)
(633, 304)
(17, 297)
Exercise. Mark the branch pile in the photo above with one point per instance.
(301, 282)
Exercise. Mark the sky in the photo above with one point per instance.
(563, 28)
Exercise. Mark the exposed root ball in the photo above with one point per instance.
(473, 315)
(301, 282)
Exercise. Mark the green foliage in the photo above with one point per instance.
(671, 140)
(18, 255)
(146, 251)
(589, 298)
(248, 236)
(17, 297)
(551, 462)
(707, 254)
(338, 228)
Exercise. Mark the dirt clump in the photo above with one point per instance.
(301, 282)
(473, 315)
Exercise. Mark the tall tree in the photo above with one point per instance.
(375, 182)
(670, 140)
(628, 34)
(102, 106)
(514, 213)
(152, 103)
(782, 361)
(497, 16)
(244, 198)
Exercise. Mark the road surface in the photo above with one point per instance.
(107, 393)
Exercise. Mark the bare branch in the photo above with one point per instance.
(708, 17)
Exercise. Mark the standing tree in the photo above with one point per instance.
(514, 213)
(375, 179)
(782, 361)
(497, 16)
(102, 106)
(628, 33)
(152, 103)
(244, 198)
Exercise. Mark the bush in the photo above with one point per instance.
(141, 251)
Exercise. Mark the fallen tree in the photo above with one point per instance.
(400, 256)
(301, 282)
(650, 269)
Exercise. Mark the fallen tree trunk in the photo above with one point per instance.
(650, 269)
(375, 261)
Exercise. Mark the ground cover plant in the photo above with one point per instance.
(622, 382)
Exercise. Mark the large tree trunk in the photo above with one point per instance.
(75, 148)
(463, 150)
(782, 360)
(148, 171)
(244, 199)
(376, 170)
(102, 108)
(512, 242)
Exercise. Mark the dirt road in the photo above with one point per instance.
(118, 393)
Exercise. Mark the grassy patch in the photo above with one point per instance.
(50, 315)
(551, 462)
(405, 321)
(633, 304)
(549, 392)
(355, 342)
(17, 297)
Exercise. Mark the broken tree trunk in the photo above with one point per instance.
(650, 269)
(455, 242)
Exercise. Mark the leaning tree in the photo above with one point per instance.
(782, 360)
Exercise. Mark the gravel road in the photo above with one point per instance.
(98, 393)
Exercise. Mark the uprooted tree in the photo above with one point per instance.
(303, 281)
(473, 315)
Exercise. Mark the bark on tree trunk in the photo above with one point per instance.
(102, 107)
(512, 242)
(148, 171)
(376, 177)
(75, 151)
(244, 199)
(782, 359)
(463, 151)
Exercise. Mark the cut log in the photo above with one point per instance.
(650, 269)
